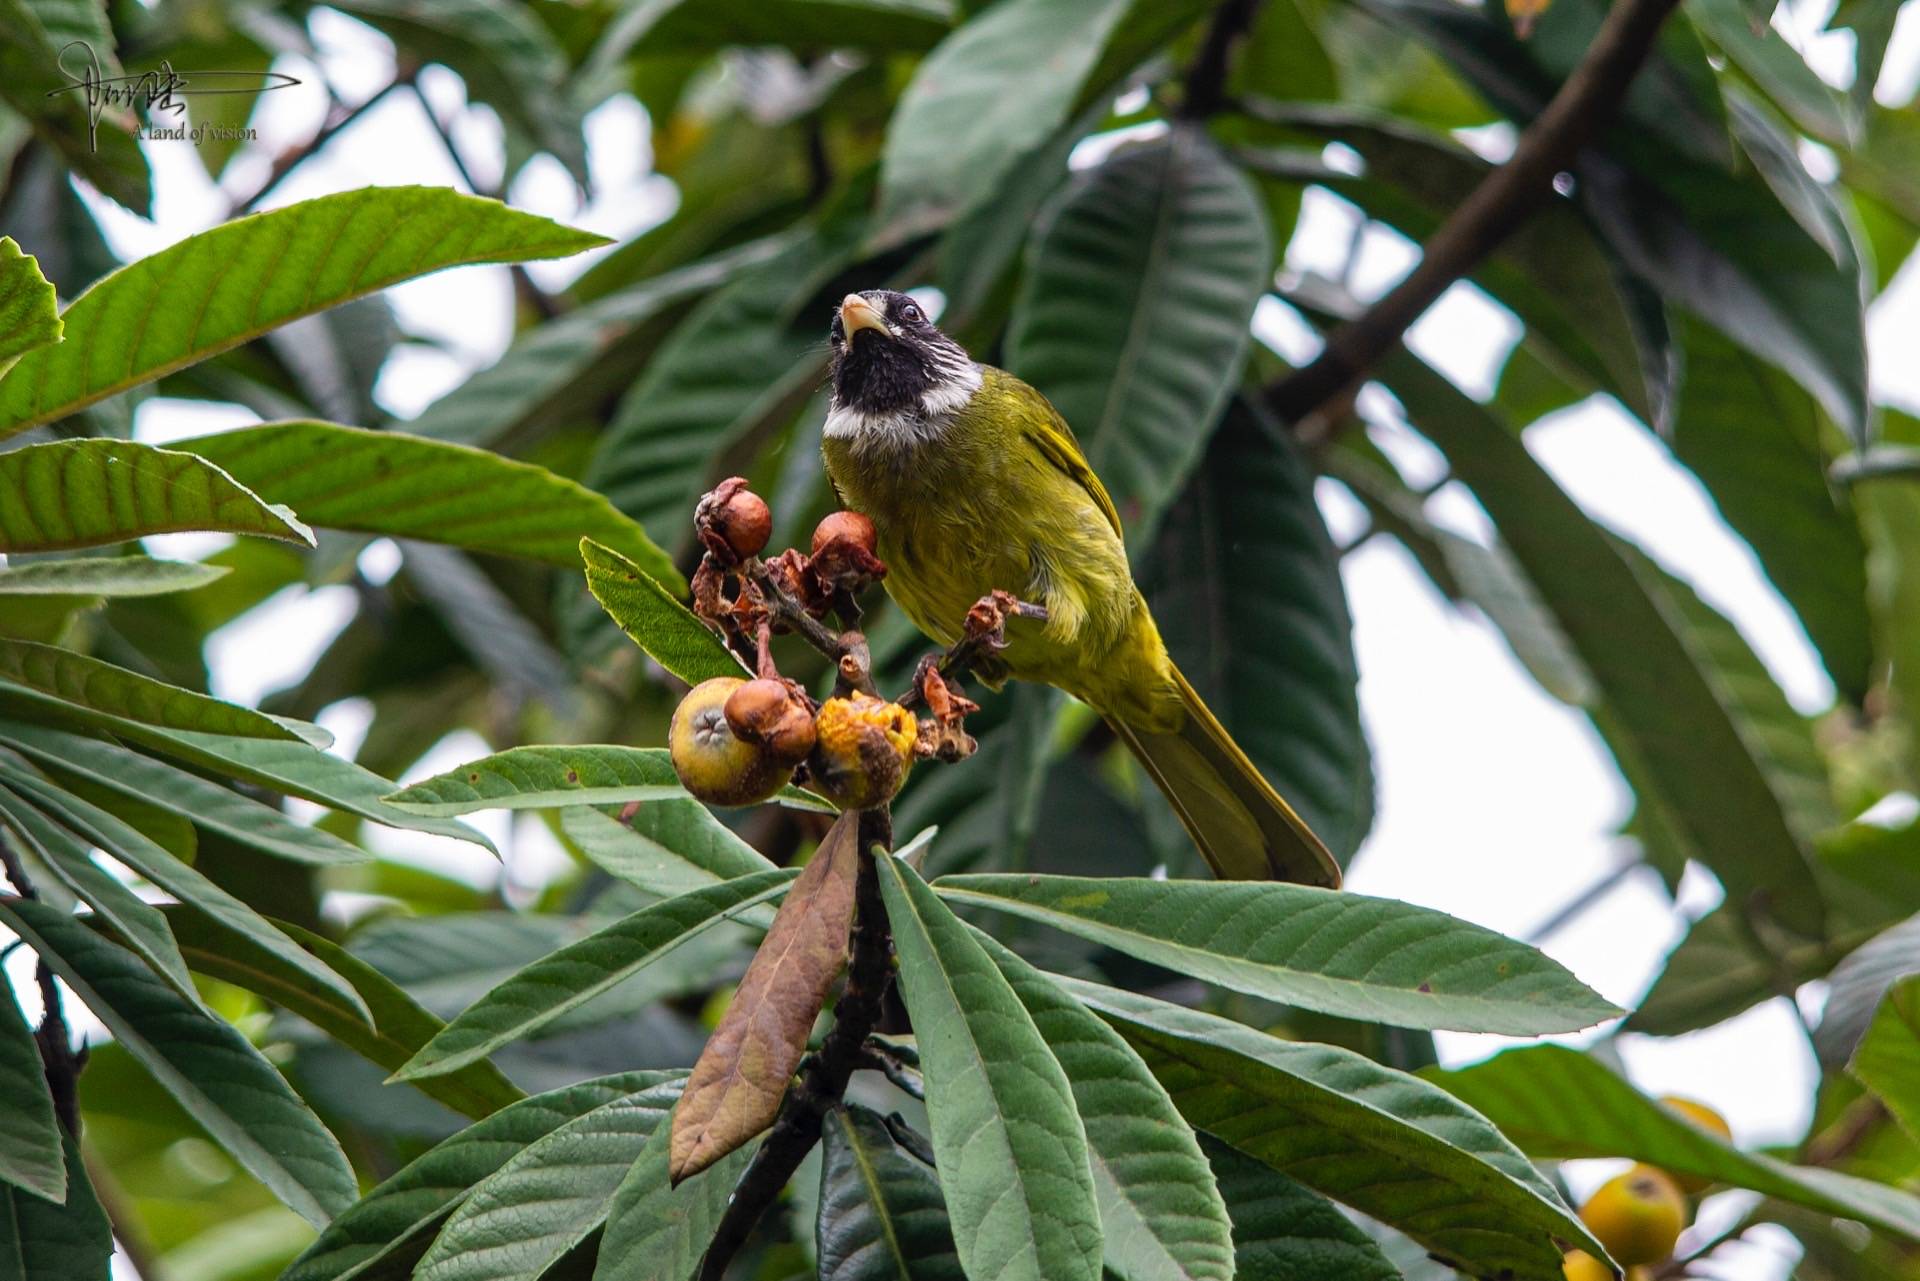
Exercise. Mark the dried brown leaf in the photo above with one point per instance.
(736, 1087)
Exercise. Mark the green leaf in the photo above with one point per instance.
(739, 367)
(1559, 1103)
(1888, 1058)
(566, 366)
(107, 576)
(1375, 959)
(209, 805)
(668, 847)
(881, 1216)
(378, 482)
(389, 1031)
(1858, 984)
(805, 26)
(30, 1156)
(297, 769)
(1713, 237)
(145, 856)
(1132, 316)
(545, 777)
(29, 313)
(1776, 67)
(34, 82)
(1011, 1150)
(140, 926)
(979, 250)
(46, 619)
(42, 1241)
(1754, 437)
(655, 619)
(203, 1062)
(1725, 248)
(81, 493)
(1871, 22)
(658, 1230)
(1161, 1218)
(247, 276)
(577, 973)
(989, 94)
(520, 1220)
(1690, 736)
(402, 1207)
(87, 684)
(1890, 518)
(1283, 1232)
(1275, 665)
(506, 57)
(1715, 972)
(1387, 1144)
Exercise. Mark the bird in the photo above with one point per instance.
(975, 483)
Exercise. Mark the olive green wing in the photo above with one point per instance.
(1042, 427)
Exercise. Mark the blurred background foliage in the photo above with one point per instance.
(1084, 213)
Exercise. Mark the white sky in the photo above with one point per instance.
(1496, 803)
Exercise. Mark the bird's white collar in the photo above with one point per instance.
(938, 405)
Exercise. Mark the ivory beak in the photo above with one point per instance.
(856, 313)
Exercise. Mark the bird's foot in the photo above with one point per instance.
(943, 733)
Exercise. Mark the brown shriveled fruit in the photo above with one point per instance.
(1637, 1216)
(1707, 1119)
(715, 764)
(863, 748)
(776, 715)
(745, 522)
(851, 526)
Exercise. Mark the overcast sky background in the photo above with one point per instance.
(1496, 803)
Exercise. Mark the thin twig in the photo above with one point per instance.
(1206, 79)
(846, 650)
(1494, 210)
(824, 1082)
(293, 158)
(55, 1043)
(57, 1054)
(1678, 1265)
(524, 287)
(1585, 899)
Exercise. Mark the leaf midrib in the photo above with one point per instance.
(196, 355)
(1050, 915)
(979, 1059)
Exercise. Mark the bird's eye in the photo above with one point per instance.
(910, 312)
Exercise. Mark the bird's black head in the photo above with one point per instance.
(890, 360)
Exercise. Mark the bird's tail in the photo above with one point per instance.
(1242, 826)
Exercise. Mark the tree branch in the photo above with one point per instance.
(54, 1041)
(1206, 79)
(293, 158)
(1493, 211)
(824, 1083)
(524, 287)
